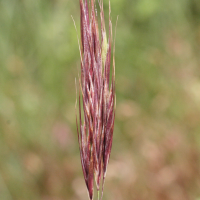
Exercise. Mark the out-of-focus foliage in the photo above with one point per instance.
(156, 147)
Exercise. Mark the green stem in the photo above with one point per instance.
(98, 194)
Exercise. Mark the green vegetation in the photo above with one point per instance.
(156, 147)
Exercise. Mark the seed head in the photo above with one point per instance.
(96, 95)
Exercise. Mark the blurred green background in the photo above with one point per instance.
(156, 147)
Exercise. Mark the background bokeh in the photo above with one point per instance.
(156, 147)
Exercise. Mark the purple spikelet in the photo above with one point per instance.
(96, 96)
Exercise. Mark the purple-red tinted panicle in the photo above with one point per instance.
(96, 95)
